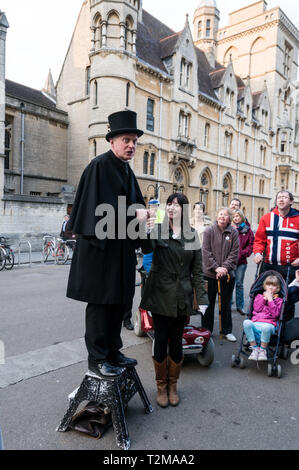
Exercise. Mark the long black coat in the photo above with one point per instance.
(102, 271)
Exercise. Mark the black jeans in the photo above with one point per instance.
(168, 332)
(227, 289)
(102, 334)
(128, 312)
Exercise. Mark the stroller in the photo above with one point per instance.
(276, 346)
(196, 340)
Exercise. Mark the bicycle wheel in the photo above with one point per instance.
(62, 254)
(45, 254)
(2, 258)
(10, 258)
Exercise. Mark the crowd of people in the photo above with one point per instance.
(182, 257)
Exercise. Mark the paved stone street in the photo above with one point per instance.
(45, 360)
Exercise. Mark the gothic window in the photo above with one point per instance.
(150, 120)
(225, 191)
(245, 183)
(207, 135)
(261, 186)
(283, 142)
(152, 163)
(287, 60)
(260, 213)
(227, 143)
(128, 94)
(204, 180)
(246, 143)
(178, 175)
(199, 30)
(208, 28)
(145, 163)
(95, 93)
(184, 123)
(247, 113)
(8, 141)
(204, 189)
(87, 77)
(178, 185)
(113, 31)
(263, 155)
(128, 36)
(185, 73)
(94, 148)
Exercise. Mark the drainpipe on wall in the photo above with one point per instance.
(218, 159)
(253, 179)
(22, 106)
(160, 137)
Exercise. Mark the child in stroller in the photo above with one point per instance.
(266, 311)
(267, 307)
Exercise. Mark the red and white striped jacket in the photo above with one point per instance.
(280, 236)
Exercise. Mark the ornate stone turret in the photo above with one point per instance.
(206, 21)
(112, 62)
(115, 27)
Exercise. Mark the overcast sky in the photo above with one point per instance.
(40, 30)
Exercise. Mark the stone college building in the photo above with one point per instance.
(219, 107)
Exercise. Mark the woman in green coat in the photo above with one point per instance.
(175, 275)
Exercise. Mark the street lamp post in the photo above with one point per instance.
(156, 188)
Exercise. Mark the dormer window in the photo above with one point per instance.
(185, 73)
(184, 124)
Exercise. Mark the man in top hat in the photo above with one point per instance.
(103, 268)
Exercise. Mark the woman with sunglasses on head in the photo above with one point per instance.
(175, 273)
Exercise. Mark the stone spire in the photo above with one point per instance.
(49, 87)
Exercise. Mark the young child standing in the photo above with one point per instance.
(266, 311)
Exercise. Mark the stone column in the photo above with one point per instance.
(3, 30)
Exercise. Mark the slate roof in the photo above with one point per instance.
(168, 44)
(148, 47)
(156, 41)
(29, 95)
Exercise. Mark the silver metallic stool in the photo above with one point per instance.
(114, 394)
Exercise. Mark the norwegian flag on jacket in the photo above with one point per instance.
(280, 236)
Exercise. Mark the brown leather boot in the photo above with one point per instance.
(174, 370)
(161, 380)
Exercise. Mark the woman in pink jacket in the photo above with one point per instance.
(266, 312)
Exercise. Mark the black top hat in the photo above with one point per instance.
(123, 122)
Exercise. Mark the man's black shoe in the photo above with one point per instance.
(105, 369)
(128, 325)
(122, 361)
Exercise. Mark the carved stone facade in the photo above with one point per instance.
(219, 113)
(220, 108)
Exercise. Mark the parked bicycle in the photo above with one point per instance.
(55, 248)
(7, 257)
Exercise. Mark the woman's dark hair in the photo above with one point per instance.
(201, 204)
(184, 203)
